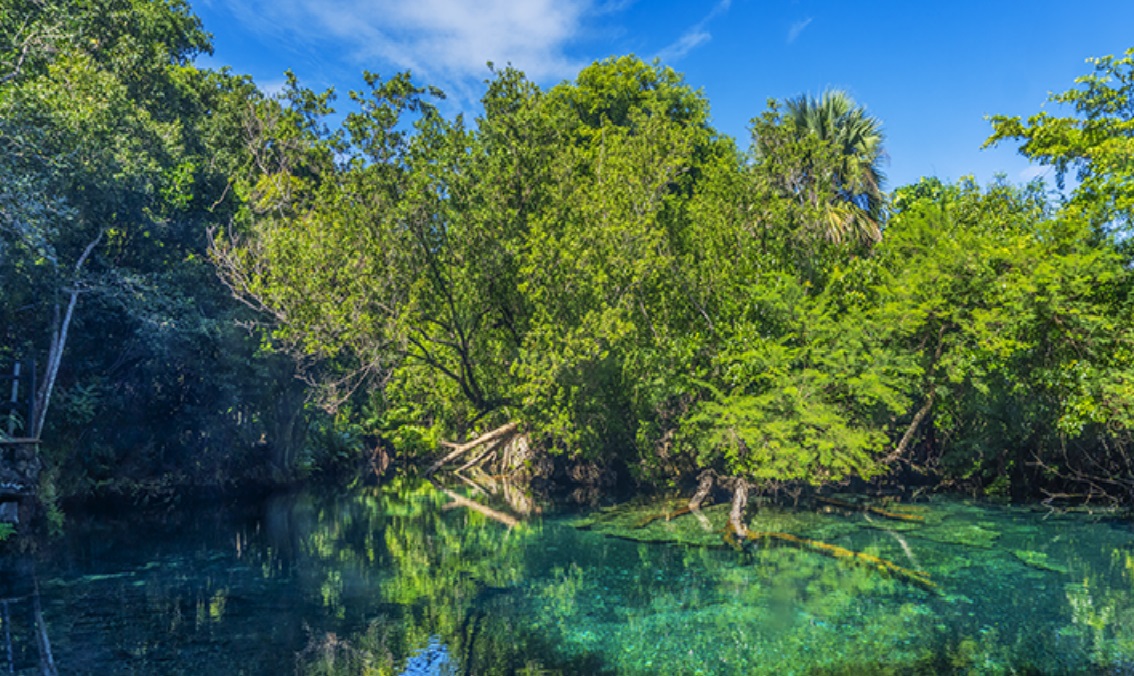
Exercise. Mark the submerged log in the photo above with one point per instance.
(914, 577)
(899, 516)
(645, 521)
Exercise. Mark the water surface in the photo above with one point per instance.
(409, 578)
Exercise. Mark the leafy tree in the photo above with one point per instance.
(89, 140)
(610, 303)
(1096, 144)
(856, 177)
(516, 269)
(384, 253)
(116, 154)
(1017, 318)
(803, 394)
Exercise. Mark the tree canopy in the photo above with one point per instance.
(590, 266)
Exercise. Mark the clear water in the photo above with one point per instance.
(402, 579)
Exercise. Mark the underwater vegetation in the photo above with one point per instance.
(944, 586)
(403, 578)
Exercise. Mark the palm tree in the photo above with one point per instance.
(857, 139)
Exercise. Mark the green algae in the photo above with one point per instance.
(957, 533)
(1039, 561)
(808, 613)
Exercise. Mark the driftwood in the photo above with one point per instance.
(460, 449)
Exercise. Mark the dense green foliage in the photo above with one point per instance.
(592, 261)
(1096, 142)
(115, 156)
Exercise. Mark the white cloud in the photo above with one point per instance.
(797, 28)
(685, 44)
(447, 40)
(695, 36)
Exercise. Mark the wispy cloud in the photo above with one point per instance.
(1033, 171)
(689, 41)
(443, 40)
(797, 28)
(697, 35)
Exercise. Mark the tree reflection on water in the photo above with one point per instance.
(413, 577)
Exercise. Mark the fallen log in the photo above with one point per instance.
(461, 449)
(489, 450)
(914, 577)
(645, 521)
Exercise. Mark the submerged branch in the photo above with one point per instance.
(915, 577)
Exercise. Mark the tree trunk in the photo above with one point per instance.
(58, 344)
(903, 444)
(739, 502)
(704, 485)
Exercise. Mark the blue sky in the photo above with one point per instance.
(931, 71)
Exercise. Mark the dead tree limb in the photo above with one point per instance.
(461, 449)
(59, 343)
(903, 444)
(489, 450)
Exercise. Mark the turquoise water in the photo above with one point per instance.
(411, 579)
